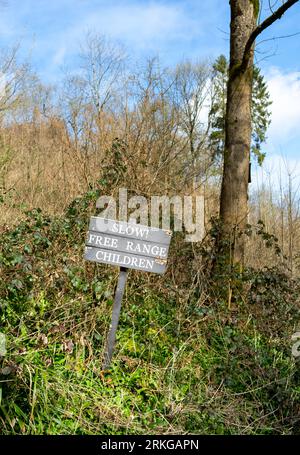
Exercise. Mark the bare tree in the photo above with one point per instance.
(102, 65)
(191, 87)
(13, 78)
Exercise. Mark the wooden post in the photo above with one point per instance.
(111, 338)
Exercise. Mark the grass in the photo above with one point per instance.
(184, 363)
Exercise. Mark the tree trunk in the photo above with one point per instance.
(234, 192)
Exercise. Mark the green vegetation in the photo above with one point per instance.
(260, 110)
(187, 360)
(256, 7)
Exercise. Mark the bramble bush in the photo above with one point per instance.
(187, 359)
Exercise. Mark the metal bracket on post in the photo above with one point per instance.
(111, 338)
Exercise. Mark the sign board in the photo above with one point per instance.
(129, 245)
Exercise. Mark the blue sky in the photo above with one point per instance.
(50, 33)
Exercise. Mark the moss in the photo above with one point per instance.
(234, 70)
(256, 6)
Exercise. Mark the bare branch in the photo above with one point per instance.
(263, 26)
(278, 37)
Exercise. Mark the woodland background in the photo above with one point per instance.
(196, 352)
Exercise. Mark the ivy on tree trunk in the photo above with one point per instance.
(234, 191)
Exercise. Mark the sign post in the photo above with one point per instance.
(111, 338)
(129, 246)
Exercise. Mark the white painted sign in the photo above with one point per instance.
(127, 245)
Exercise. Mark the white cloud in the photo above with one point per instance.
(283, 143)
(59, 56)
(138, 24)
(141, 27)
(284, 88)
(172, 30)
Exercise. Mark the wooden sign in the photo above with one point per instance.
(129, 246)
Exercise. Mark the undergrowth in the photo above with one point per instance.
(187, 360)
